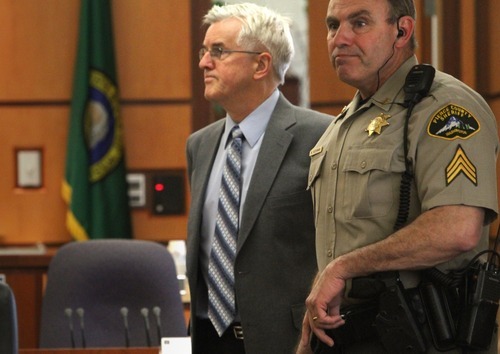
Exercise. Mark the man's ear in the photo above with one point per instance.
(264, 65)
(406, 26)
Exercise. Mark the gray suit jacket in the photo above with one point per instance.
(275, 261)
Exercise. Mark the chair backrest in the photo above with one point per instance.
(103, 280)
(8, 321)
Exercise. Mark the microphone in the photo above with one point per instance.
(156, 311)
(144, 313)
(401, 33)
(124, 312)
(385, 63)
(79, 312)
(69, 314)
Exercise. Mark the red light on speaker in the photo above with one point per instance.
(167, 193)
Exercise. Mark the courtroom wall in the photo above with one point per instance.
(38, 46)
(161, 92)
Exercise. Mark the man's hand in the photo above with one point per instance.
(323, 307)
(304, 346)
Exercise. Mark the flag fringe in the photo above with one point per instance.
(76, 229)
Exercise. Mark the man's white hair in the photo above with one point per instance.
(262, 29)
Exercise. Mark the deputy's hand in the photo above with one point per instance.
(304, 346)
(323, 306)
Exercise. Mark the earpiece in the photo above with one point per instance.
(401, 33)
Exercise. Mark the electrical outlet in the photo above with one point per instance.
(136, 189)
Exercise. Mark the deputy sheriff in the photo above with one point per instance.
(367, 223)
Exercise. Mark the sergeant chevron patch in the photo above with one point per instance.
(461, 164)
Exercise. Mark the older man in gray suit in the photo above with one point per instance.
(249, 297)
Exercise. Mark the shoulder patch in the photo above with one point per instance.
(453, 122)
(460, 163)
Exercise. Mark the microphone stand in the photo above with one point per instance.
(124, 312)
(80, 313)
(69, 314)
(145, 312)
(157, 311)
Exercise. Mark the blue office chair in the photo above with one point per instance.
(111, 293)
(8, 321)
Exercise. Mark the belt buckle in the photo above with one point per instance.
(238, 332)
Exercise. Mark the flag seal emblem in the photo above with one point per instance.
(103, 129)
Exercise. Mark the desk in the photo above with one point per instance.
(92, 351)
(25, 274)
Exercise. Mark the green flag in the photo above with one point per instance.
(95, 186)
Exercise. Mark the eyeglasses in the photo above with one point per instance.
(216, 52)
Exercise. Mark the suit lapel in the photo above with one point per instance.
(276, 141)
(205, 159)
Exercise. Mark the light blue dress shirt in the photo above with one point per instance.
(253, 127)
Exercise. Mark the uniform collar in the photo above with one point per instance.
(392, 90)
(386, 96)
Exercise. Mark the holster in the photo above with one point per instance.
(386, 317)
(359, 324)
(396, 323)
(436, 304)
(399, 318)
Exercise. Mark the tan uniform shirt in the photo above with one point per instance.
(356, 166)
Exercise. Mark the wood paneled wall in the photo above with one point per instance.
(160, 91)
(153, 54)
(486, 46)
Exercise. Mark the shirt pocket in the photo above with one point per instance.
(372, 181)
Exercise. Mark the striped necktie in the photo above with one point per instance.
(221, 301)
